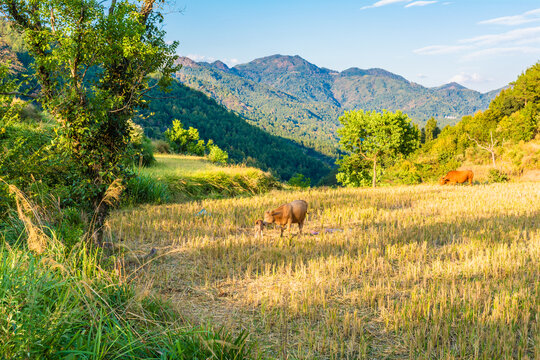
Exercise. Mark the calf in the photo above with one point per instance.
(287, 214)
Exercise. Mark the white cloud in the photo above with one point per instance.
(420, 3)
(526, 17)
(515, 42)
(421, 76)
(465, 78)
(516, 37)
(441, 49)
(199, 58)
(231, 62)
(500, 51)
(383, 3)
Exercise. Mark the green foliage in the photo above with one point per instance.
(299, 180)
(403, 172)
(513, 117)
(354, 171)
(217, 156)
(184, 141)
(243, 142)
(92, 64)
(70, 306)
(375, 137)
(141, 146)
(496, 176)
(430, 131)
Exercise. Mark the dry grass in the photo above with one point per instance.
(416, 272)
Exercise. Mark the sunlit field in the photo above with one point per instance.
(404, 272)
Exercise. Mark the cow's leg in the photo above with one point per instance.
(289, 225)
(300, 226)
(282, 228)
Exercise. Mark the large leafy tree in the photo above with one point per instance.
(373, 137)
(91, 60)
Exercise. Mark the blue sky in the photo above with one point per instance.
(482, 44)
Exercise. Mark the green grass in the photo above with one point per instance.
(177, 178)
(57, 306)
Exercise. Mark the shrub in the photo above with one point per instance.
(142, 148)
(299, 180)
(162, 147)
(496, 175)
(217, 155)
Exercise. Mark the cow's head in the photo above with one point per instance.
(268, 218)
(444, 180)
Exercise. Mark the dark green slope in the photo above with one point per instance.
(244, 142)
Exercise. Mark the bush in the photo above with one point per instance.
(217, 155)
(299, 180)
(162, 147)
(497, 176)
(184, 141)
(142, 148)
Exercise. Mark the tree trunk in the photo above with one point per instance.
(374, 172)
(493, 158)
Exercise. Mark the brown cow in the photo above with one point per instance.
(285, 215)
(457, 177)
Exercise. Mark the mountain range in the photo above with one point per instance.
(293, 98)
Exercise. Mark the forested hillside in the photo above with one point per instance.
(505, 138)
(244, 142)
(290, 97)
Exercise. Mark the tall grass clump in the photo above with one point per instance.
(76, 303)
(145, 189)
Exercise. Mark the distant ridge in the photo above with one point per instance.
(288, 96)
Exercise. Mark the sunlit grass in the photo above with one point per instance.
(176, 178)
(188, 165)
(412, 272)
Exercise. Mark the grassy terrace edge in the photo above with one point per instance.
(178, 178)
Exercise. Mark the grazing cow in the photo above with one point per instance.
(285, 215)
(259, 226)
(457, 177)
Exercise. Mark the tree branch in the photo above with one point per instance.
(17, 93)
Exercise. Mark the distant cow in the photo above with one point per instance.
(457, 177)
(285, 215)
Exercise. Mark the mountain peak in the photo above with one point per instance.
(220, 65)
(354, 71)
(185, 61)
(451, 86)
(279, 64)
